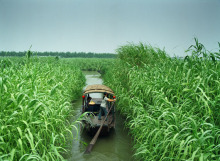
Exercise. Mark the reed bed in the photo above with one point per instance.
(35, 104)
(172, 106)
(90, 64)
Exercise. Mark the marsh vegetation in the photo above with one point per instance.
(171, 105)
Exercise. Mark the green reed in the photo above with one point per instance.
(172, 106)
(35, 104)
(90, 64)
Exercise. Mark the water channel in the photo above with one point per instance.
(116, 146)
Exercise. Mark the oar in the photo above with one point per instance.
(92, 143)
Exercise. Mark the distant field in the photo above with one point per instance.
(60, 54)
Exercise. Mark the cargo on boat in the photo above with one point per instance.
(91, 104)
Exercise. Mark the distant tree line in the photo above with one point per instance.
(60, 54)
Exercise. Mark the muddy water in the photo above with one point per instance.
(114, 147)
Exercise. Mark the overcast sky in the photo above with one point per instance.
(104, 25)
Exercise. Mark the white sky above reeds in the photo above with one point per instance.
(104, 25)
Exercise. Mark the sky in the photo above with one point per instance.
(102, 26)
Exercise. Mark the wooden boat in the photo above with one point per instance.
(92, 98)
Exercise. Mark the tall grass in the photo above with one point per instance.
(172, 106)
(35, 103)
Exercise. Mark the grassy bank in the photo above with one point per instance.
(35, 103)
(172, 106)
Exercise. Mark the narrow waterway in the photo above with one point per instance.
(114, 147)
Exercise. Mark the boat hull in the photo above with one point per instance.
(92, 124)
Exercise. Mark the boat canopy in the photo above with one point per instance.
(98, 88)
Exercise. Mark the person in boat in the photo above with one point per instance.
(103, 106)
(88, 100)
